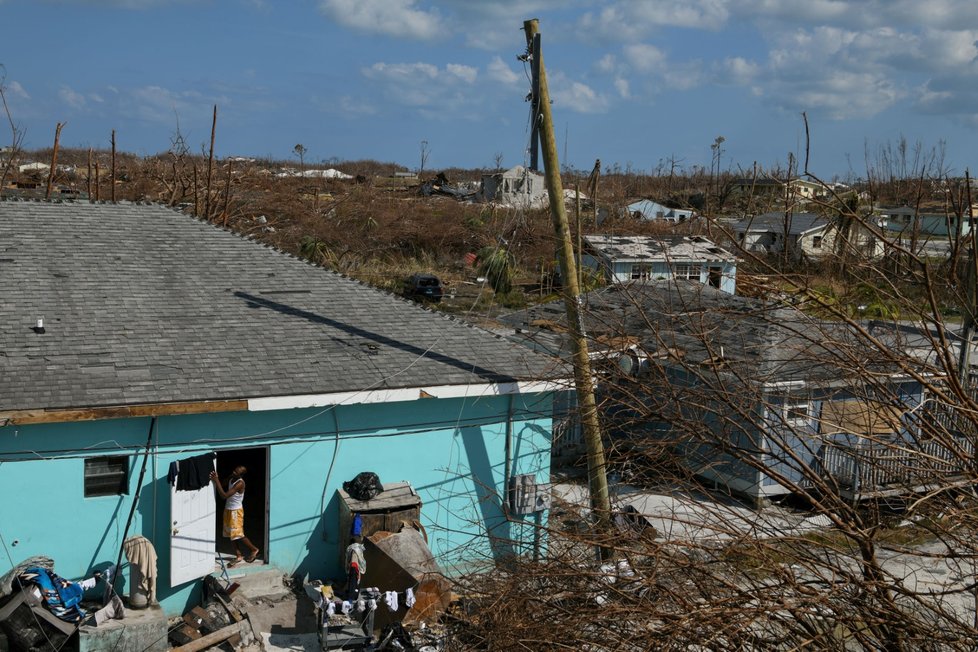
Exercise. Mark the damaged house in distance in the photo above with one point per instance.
(636, 258)
(135, 337)
(757, 397)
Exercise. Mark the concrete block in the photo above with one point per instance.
(266, 584)
(140, 630)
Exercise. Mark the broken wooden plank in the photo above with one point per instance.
(209, 640)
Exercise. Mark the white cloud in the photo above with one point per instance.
(161, 105)
(424, 85)
(738, 70)
(16, 90)
(631, 21)
(623, 88)
(576, 96)
(465, 73)
(607, 63)
(400, 18)
(497, 70)
(72, 98)
(645, 58)
(843, 95)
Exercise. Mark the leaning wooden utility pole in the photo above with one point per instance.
(113, 167)
(54, 159)
(597, 477)
(210, 167)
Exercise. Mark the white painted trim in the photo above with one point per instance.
(405, 394)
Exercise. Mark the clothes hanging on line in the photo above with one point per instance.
(141, 554)
(191, 473)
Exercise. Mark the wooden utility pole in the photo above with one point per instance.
(532, 47)
(210, 167)
(227, 195)
(595, 176)
(580, 237)
(98, 183)
(597, 477)
(88, 179)
(112, 195)
(54, 159)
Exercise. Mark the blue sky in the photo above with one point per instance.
(635, 82)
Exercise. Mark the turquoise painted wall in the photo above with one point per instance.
(451, 450)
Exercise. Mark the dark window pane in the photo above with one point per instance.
(106, 476)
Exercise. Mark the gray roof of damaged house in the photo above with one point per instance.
(798, 223)
(685, 323)
(638, 248)
(143, 305)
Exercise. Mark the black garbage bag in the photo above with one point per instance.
(363, 487)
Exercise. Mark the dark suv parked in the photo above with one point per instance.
(423, 287)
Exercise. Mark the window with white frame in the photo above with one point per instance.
(797, 413)
(641, 272)
(106, 476)
(686, 271)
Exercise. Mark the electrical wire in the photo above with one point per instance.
(203, 444)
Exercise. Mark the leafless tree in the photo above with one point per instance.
(10, 156)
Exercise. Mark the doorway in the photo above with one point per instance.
(255, 501)
(716, 277)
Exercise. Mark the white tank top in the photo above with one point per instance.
(235, 500)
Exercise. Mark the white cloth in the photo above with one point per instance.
(347, 607)
(355, 553)
(409, 597)
(390, 597)
(331, 608)
(235, 500)
(372, 604)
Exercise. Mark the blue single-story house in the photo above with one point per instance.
(759, 398)
(904, 218)
(646, 209)
(634, 258)
(133, 336)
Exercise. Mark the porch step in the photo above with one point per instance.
(266, 584)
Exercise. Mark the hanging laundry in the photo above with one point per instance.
(195, 472)
(141, 554)
(390, 597)
(409, 598)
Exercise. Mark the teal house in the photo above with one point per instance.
(133, 336)
(905, 219)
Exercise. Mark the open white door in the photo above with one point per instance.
(192, 535)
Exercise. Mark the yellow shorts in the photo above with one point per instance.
(234, 524)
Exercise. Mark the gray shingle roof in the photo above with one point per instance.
(142, 304)
(798, 223)
(760, 342)
(664, 248)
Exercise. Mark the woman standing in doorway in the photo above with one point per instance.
(234, 513)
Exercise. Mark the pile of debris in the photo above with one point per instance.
(222, 618)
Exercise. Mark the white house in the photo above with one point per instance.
(646, 209)
(632, 258)
(803, 234)
(518, 186)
